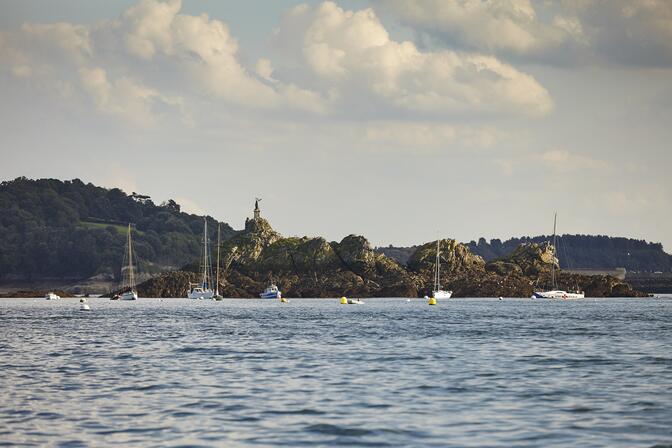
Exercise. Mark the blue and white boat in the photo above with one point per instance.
(272, 292)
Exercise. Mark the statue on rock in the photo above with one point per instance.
(257, 212)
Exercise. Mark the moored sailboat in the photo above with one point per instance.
(439, 293)
(203, 290)
(555, 292)
(128, 291)
(218, 296)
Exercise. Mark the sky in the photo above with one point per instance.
(399, 120)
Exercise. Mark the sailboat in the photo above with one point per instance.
(203, 290)
(128, 291)
(439, 293)
(218, 296)
(556, 293)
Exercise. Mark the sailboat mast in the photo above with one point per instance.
(131, 274)
(205, 254)
(437, 268)
(219, 225)
(555, 220)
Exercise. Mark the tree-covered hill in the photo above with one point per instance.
(588, 251)
(575, 251)
(69, 229)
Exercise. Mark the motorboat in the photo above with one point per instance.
(272, 292)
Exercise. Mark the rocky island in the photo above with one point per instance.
(314, 267)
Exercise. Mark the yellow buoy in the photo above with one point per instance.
(432, 301)
(344, 301)
(283, 300)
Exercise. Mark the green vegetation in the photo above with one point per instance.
(574, 251)
(587, 251)
(100, 225)
(69, 229)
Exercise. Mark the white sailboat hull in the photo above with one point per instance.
(201, 290)
(442, 294)
(206, 294)
(129, 295)
(52, 296)
(558, 294)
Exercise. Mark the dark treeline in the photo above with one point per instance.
(575, 251)
(587, 251)
(51, 228)
(69, 229)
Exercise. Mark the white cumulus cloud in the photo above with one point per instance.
(351, 52)
(150, 56)
(630, 32)
(123, 97)
(511, 25)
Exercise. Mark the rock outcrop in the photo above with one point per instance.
(168, 284)
(314, 267)
(308, 267)
(466, 274)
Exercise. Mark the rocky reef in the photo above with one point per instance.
(314, 267)
(308, 267)
(168, 284)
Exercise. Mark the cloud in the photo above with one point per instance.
(554, 161)
(510, 25)
(147, 61)
(631, 32)
(264, 68)
(351, 53)
(205, 51)
(421, 137)
(148, 27)
(623, 203)
(628, 32)
(64, 38)
(154, 61)
(565, 161)
(123, 97)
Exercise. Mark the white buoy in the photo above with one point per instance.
(83, 305)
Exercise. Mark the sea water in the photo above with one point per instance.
(392, 372)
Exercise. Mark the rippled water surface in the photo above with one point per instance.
(313, 372)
